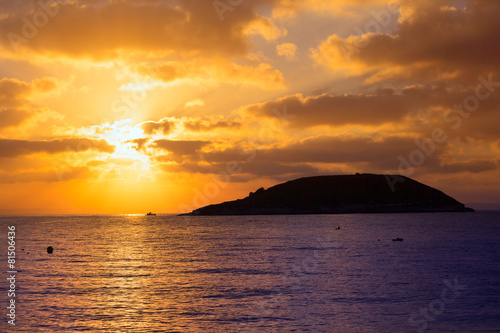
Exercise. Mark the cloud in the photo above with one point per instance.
(12, 118)
(103, 30)
(194, 103)
(164, 126)
(473, 166)
(46, 176)
(15, 92)
(139, 144)
(265, 27)
(254, 168)
(290, 8)
(344, 153)
(180, 147)
(287, 50)
(433, 41)
(14, 148)
(382, 106)
(380, 152)
(206, 125)
(218, 70)
(186, 39)
(16, 106)
(414, 109)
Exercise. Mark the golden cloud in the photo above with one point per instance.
(16, 106)
(290, 8)
(14, 148)
(102, 30)
(216, 70)
(435, 40)
(287, 50)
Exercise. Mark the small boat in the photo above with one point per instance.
(397, 239)
(150, 214)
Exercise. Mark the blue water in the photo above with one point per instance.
(255, 273)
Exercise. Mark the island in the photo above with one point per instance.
(339, 194)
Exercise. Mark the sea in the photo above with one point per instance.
(297, 273)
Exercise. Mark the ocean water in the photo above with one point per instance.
(254, 273)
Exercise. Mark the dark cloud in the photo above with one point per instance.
(14, 92)
(474, 166)
(11, 117)
(435, 41)
(417, 108)
(206, 125)
(14, 148)
(255, 168)
(316, 155)
(325, 149)
(15, 104)
(54, 175)
(164, 126)
(139, 144)
(220, 69)
(336, 110)
(180, 147)
(103, 29)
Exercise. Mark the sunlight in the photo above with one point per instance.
(120, 134)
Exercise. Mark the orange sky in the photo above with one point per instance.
(128, 106)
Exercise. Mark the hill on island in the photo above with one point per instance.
(341, 194)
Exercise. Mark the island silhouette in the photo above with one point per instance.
(339, 194)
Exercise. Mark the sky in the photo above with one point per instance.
(128, 106)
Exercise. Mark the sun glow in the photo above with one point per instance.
(121, 135)
(126, 163)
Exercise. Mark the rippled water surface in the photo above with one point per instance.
(255, 273)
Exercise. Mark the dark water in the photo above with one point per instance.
(255, 274)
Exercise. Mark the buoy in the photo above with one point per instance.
(50, 249)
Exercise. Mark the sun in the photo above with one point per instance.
(126, 164)
(121, 135)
